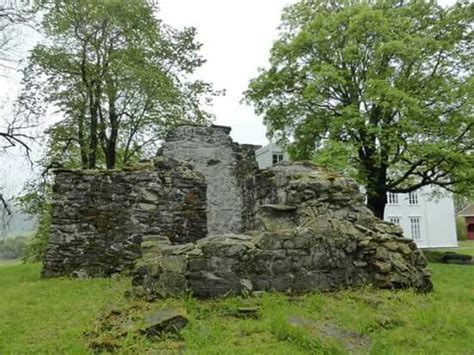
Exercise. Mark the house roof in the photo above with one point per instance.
(467, 211)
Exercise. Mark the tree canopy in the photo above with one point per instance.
(117, 75)
(382, 88)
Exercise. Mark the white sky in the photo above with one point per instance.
(237, 36)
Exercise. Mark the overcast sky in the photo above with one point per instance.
(237, 36)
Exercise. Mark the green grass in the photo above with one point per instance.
(51, 316)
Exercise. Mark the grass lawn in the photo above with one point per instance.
(51, 316)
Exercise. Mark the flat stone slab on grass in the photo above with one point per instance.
(448, 257)
(167, 320)
(352, 342)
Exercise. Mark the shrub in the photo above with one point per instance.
(36, 247)
(461, 229)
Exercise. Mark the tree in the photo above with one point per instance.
(15, 126)
(119, 77)
(384, 85)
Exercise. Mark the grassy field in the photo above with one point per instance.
(52, 316)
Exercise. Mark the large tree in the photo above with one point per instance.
(116, 74)
(384, 87)
(15, 127)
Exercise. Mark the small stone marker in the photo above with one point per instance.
(248, 312)
(167, 320)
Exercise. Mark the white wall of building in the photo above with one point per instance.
(428, 220)
(436, 216)
(267, 154)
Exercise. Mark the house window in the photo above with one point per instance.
(413, 198)
(392, 198)
(277, 157)
(394, 220)
(415, 227)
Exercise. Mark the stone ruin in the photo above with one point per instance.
(101, 218)
(201, 218)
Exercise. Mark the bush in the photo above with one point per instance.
(461, 229)
(36, 248)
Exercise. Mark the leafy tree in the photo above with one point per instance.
(15, 126)
(119, 77)
(385, 85)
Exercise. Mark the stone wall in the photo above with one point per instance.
(225, 165)
(213, 224)
(100, 218)
(312, 231)
(315, 194)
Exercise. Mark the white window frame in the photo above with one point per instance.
(279, 157)
(392, 199)
(415, 228)
(397, 220)
(413, 199)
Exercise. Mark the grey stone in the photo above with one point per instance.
(99, 219)
(225, 227)
(225, 164)
(309, 247)
(168, 320)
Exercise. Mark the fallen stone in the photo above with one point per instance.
(448, 257)
(454, 257)
(248, 312)
(168, 320)
(350, 341)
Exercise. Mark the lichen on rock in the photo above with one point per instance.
(311, 231)
(100, 218)
(212, 224)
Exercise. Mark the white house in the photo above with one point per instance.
(269, 155)
(428, 220)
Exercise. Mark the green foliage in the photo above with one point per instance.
(385, 87)
(119, 77)
(461, 229)
(36, 247)
(399, 322)
(36, 202)
(336, 157)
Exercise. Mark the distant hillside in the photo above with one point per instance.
(19, 224)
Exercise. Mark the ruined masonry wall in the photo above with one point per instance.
(225, 165)
(100, 218)
(312, 231)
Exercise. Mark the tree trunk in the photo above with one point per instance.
(376, 177)
(93, 135)
(111, 147)
(110, 154)
(376, 201)
(82, 140)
